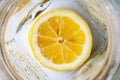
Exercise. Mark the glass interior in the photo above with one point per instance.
(16, 19)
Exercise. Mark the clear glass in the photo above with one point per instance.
(102, 16)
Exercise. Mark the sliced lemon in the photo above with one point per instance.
(60, 40)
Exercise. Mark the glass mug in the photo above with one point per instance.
(103, 18)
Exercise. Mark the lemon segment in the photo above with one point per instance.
(45, 30)
(78, 37)
(76, 48)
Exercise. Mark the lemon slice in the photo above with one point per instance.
(60, 40)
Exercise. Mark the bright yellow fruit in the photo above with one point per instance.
(60, 40)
